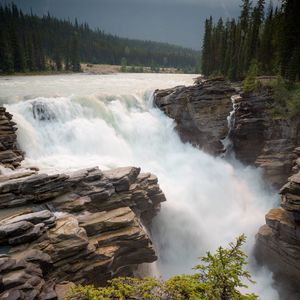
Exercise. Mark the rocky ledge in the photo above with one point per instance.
(200, 112)
(81, 227)
(258, 138)
(261, 139)
(278, 241)
(10, 156)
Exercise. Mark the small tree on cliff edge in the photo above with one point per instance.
(219, 278)
(223, 272)
(251, 83)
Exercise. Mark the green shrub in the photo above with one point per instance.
(219, 277)
(286, 97)
(294, 103)
(251, 84)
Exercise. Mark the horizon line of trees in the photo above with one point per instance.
(268, 39)
(31, 43)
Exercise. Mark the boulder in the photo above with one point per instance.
(200, 112)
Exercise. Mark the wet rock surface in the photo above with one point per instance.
(264, 140)
(200, 112)
(89, 230)
(278, 241)
(258, 138)
(82, 227)
(10, 155)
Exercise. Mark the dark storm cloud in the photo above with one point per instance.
(173, 21)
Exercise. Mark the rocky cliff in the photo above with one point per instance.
(278, 241)
(84, 227)
(10, 156)
(258, 138)
(261, 139)
(200, 112)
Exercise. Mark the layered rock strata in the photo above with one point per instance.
(82, 227)
(261, 139)
(258, 138)
(200, 112)
(278, 241)
(10, 155)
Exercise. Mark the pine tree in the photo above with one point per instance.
(6, 60)
(257, 20)
(290, 37)
(206, 48)
(17, 51)
(266, 48)
(74, 57)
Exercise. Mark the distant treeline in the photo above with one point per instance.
(32, 43)
(270, 41)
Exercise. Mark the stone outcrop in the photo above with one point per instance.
(278, 241)
(261, 139)
(200, 112)
(258, 138)
(83, 227)
(10, 155)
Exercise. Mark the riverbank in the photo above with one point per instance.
(101, 69)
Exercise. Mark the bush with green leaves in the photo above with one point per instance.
(286, 98)
(251, 83)
(220, 276)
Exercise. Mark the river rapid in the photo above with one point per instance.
(68, 122)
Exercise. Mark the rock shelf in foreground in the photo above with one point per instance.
(82, 227)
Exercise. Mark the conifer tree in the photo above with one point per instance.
(206, 48)
(17, 53)
(74, 58)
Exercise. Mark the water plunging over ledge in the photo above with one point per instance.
(227, 143)
(75, 121)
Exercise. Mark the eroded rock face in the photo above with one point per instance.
(261, 139)
(200, 112)
(84, 227)
(258, 138)
(92, 233)
(278, 241)
(10, 155)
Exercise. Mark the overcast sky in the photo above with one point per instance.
(174, 21)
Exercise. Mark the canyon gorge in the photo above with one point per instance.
(99, 176)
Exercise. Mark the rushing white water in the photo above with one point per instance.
(109, 121)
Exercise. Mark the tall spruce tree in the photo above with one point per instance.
(273, 42)
(207, 47)
(74, 56)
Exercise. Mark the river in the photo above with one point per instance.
(109, 121)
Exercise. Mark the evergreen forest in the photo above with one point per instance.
(29, 43)
(263, 37)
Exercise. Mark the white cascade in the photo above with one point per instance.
(83, 121)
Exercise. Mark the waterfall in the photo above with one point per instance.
(75, 121)
(227, 143)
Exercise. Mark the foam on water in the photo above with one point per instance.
(109, 121)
